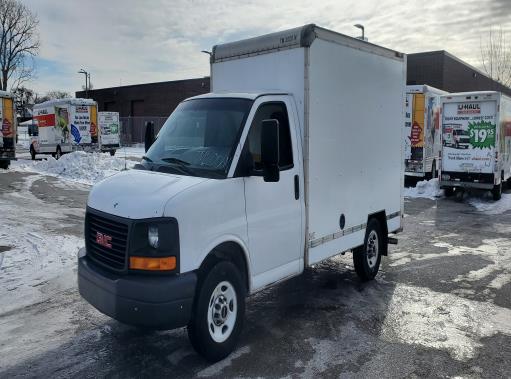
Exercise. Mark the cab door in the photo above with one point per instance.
(274, 210)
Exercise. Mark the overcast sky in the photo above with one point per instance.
(129, 42)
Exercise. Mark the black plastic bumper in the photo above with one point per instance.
(161, 302)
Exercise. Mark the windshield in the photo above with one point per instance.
(199, 138)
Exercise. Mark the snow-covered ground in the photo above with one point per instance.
(78, 166)
(39, 257)
(429, 189)
(489, 206)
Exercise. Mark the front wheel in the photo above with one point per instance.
(448, 191)
(367, 257)
(218, 312)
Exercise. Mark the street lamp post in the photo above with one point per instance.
(87, 80)
(361, 27)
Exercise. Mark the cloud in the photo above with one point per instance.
(129, 42)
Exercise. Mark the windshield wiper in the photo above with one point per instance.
(176, 160)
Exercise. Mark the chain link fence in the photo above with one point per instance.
(133, 128)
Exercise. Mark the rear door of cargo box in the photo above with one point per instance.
(469, 136)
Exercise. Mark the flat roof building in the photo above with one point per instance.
(444, 71)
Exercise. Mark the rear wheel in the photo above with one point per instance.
(4, 164)
(448, 191)
(58, 153)
(32, 152)
(367, 257)
(497, 192)
(218, 312)
(112, 152)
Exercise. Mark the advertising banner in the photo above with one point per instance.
(80, 124)
(468, 136)
(109, 127)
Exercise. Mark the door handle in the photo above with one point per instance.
(297, 188)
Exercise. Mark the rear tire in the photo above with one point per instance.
(367, 257)
(497, 192)
(58, 153)
(4, 164)
(32, 152)
(448, 191)
(112, 152)
(219, 309)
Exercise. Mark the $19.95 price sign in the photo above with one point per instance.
(482, 134)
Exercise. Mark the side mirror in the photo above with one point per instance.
(270, 150)
(149, 135)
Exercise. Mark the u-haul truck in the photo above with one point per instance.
(60, 125)
(476, 141)
(109, 130)
(7, 130)
(422, 131)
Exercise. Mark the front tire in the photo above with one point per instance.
(367, 257)
(448, 191)
(218, 313)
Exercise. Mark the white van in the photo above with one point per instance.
(422, 131)
(7, 129)
(61, 124)
(294, 157)
(476, 141)
(109, 132)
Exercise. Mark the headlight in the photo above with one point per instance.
(152, 236)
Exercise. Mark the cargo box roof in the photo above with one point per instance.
(293, 38)
(71, 101)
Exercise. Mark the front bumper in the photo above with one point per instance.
(161, 302)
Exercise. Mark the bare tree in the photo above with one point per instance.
(52, 95)
(19, 43)
(496, 56)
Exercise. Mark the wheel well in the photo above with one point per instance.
(227, 251)
(381, 217)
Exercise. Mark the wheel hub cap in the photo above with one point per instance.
(372, 249)
(222, 312)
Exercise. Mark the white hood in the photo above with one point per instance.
(138, 194)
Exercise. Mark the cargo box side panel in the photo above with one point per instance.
(281, 71)
(356, 159)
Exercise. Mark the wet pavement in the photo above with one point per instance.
(440, 307)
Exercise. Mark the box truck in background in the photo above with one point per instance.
(422, 131)
(109, 132)
(294, 158)
(63, 124)
(7, 130)
(476, 141)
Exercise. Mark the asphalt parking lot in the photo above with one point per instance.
(440, 307)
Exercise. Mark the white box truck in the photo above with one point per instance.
(7, 129)
(109, 132)
(476, 141)
(296, 156)
(63, 124)
(422, 131)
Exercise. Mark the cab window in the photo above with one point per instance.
(277, 111)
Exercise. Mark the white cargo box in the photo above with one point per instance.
(350, 97)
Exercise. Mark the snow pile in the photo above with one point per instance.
(491, 207)
(79, 166)
(429, 189)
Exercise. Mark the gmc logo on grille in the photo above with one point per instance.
(103, 240)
